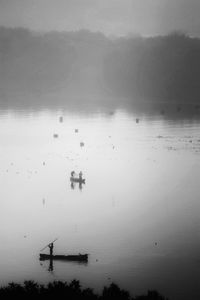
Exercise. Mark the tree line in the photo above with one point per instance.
(161, 68)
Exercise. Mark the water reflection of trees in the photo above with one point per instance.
(74, 184)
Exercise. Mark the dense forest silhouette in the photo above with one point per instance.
(72, 290)
(156, 69)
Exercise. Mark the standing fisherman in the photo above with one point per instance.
(51, 249)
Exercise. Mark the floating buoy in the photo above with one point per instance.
(137, 120)
(61, 119)
(55, 135)
(76, 130)
(81, 144)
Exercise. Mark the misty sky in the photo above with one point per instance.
(117, 17)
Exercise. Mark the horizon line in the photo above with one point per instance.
(109, 36)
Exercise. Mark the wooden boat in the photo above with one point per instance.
(78, 257)
(77, 179)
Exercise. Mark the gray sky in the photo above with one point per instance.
(118, 17)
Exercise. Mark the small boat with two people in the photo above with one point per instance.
(78, 179)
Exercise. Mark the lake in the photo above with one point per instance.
(137, 215)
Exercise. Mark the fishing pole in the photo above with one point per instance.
(49, 244)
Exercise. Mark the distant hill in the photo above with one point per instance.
(151, 69)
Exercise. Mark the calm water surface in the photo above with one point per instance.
(137, 215)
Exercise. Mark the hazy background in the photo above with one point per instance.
(126, 75)
(106, 52)
(52, 67)
(116, 17)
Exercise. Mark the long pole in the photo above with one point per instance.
(48, 244)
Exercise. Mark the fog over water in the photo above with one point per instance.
(137, 215)
(109, 88)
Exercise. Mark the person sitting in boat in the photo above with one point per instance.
(80, 175)
(51, 248)
(72, 174)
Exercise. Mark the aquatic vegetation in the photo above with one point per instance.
(72, 290)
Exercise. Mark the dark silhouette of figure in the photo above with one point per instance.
(51, 249)
(72, 174)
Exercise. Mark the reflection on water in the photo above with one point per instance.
(107, 105)
(74, 184)
(137, 215)
(50, 269)
(51, 262)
